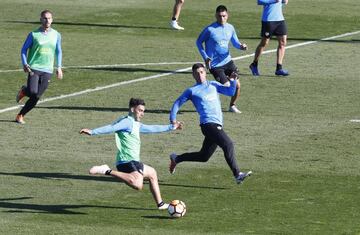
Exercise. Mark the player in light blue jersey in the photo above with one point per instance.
(216, 55)
(127, 131)
(205, 97)
(272, 24)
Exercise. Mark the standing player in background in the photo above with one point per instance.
(176, 14)
(127, 131)
(216, 55)
(272, 23)
(205, 97)
(38, 54)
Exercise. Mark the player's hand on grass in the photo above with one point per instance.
(85, 131)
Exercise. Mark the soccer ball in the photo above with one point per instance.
(177, 208)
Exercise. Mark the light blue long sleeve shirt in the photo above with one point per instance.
(125, 124)
(217, 38)
(272, 10)
(205, 98)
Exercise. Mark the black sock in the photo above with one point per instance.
(161, 204)
(255, 63)
(108, 172)
(173, 18)
(278, 66)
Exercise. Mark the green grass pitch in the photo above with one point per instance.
(295, 133)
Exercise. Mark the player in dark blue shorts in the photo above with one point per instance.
(273, 24)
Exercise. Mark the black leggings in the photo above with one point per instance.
(36, 86)
(214, 136)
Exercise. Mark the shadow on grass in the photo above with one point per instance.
(11, 121)
(42, 175)
(110, 109)
(53, 209)
(91, 25)
(126, 69)
(289, 39)
(156, 217)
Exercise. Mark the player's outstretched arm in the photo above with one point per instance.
(85, 131)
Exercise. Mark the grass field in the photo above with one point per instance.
(295, 133)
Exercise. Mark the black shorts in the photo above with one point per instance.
(131, 167)
(273, 28)
(222, 73)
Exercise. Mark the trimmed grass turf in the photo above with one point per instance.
(294, 132)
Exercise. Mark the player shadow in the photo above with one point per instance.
(132, 69)
(289, 39)
(46, 175)
(66, 209)
(93, 25)
(109, 109)
(162, 217)
(8, 121)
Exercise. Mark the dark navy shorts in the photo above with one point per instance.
(273, 28)
(131, 167)
(222, 73)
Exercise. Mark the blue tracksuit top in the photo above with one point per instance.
(216, 38)
(272, 10)
(205, 98)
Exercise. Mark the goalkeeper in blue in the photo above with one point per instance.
(127, 131)
(205, 97)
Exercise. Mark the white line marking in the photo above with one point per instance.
(162, 74)
(355, 120)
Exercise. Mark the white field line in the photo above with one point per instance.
(158, 75)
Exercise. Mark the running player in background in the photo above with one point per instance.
(216, 55)
(272, 24)
(38, 55)
(176, 14)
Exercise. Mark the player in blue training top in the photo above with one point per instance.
(216, 55)
(127, 135)
(272, 23)
(205, 97)
(40, 51)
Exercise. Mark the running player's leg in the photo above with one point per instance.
(131, 173)
(31, 91)
(133, 179)
(206, 151)
(218, 135)
(230, 68)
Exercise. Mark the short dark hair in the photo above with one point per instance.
(196, 66)
(221, 8)
(135, 102)
(44, 12)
